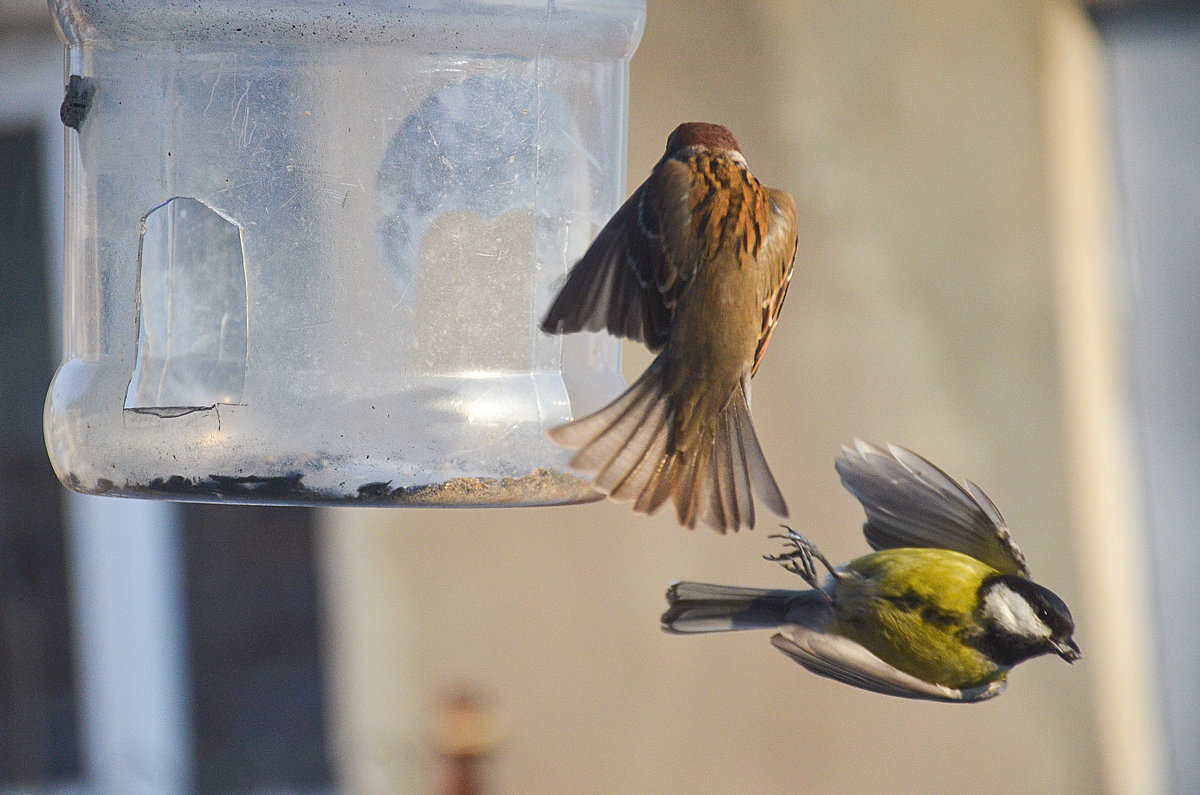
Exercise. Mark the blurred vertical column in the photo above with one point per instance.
(1105, 478)
(128, 589)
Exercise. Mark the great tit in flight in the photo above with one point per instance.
(942, 610)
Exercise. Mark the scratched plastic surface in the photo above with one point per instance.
(308, 245)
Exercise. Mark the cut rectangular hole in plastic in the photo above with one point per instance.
(192, 332)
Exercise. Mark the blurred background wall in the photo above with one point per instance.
(963, 287)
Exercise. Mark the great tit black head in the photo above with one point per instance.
(1024, 620)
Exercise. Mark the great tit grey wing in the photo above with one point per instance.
(912, 503)
(993, 513)
(842, 659)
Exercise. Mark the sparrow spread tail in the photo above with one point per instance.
(700, 607)
(711, 478)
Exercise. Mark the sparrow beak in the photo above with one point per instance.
(1067, 649)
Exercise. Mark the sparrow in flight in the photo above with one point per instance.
(695, 265)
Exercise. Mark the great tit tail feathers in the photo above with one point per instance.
(702, 607)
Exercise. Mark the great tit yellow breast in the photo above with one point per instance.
(917, 609)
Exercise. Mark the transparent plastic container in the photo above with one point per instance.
(308, 245)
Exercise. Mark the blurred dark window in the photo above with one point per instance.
(257, 707)
(251, 595)
(39, 739)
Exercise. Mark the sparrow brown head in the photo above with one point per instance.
(701, 133)
(696, 265)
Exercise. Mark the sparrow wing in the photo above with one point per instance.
(776, 257)
(911, 503)
(680, 191)
(612, 287)
(842, 659)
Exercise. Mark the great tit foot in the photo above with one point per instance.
(799, 559)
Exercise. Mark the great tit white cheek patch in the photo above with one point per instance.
(1013, 613)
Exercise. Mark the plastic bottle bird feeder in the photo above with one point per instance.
(309, 243)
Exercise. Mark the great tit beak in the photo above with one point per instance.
(1067, 649)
